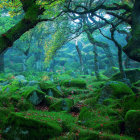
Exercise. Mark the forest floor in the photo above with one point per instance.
(67, 108)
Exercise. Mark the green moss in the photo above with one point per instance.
(29, 90)
(132, 123)
(132, 48)
(91, 101)
(131, 103)
(4, 43)
(137, 84)
(96, 85)
(110, 102)
(132, 74)
(136, 87)
(85, 115)
(33, 95)
(47, 86)
(14, 101)
(88, 134)
(79, 83)
(62, 105)
(101, 118)
(34, 128)
(73, 91)
(10, 89)
(4, 113)
(32, 13)
(117, 89)
(50, 100)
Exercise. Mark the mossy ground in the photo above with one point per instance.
(72, 113)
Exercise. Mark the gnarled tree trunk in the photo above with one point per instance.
(1, 62)
(133, 47)
(104, 46)
(80, 55)
(96, 64)
(32, 11)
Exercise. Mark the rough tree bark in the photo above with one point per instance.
(104, 46)
(32, 11)
(80, 55)
(133, 47)
(1, 62)
(96, 64)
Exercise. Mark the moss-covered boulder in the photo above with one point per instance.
(79, 83)
(101, 120)
(113, 103)
(114, 89)
(89, 134)
(136, 87)
(9, 89)
(131, 102)
(132, 74)
(85, 115)
(27, 126)
(34, 95)
(137, 84)
(49, 100)
(110, 71)
(50, 89)
(62, 105)
(11, 98)
(4, 113)
(73, 91)
(96, 84)
(91, 101)
(132, 123)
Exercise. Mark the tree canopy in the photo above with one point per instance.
(93, 13)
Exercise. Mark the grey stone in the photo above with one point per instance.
(35, 99)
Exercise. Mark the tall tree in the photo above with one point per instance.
(122, 11)
(80, 55)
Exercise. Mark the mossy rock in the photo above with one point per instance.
(34, 95)
(73, 91)
(50, 89)
(11, 89)
(137, 84)
(86, 134)
(60, 77)
(109, 72)
(4, 113)
(111, 102)
(132, 123)
(114, 89)
(62, 105)
(91, 101)
(85, 115)
(24, 105)
(131, 103)
(136, 87)
(14, 100)
(97, 85)
(132, 74)
(24, 127)
(49, 100)
(79, 83)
